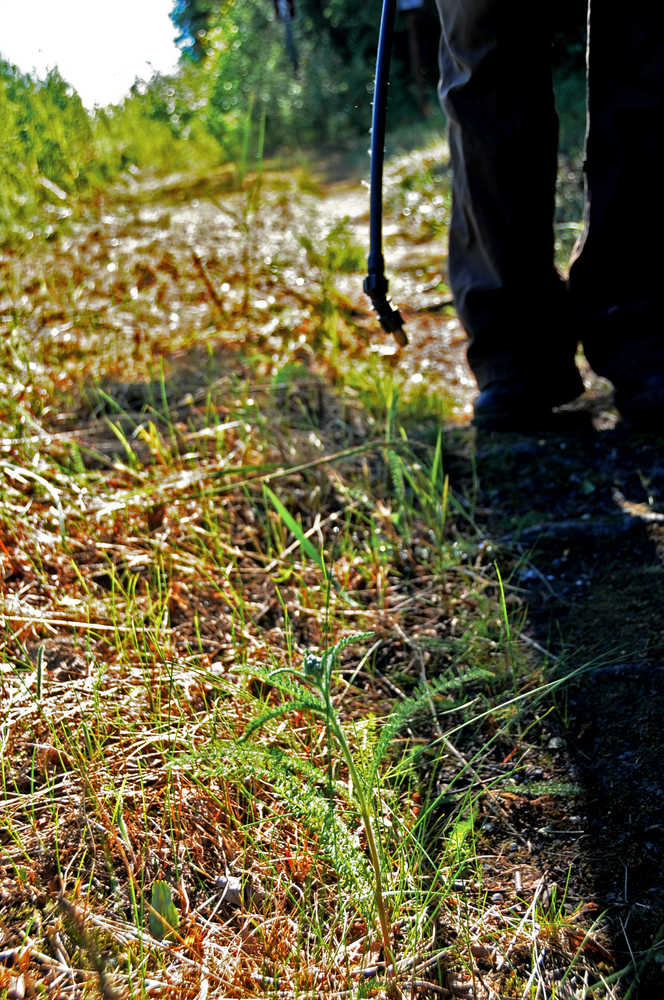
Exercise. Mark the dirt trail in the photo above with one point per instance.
(579, 517)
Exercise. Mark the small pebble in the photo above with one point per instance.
(231, 888)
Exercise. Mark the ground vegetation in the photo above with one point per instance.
(307, 690)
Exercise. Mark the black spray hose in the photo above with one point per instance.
(376, 284)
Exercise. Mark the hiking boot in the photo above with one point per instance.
(640, 401)
(515, 405)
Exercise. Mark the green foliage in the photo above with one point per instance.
(164, 917)
(46, 147)
(247, 54)
(16, 196)
(311, 690)
(160, 126)
(193, 19)
(453, 690)
(342, 254)
(51, 125)
(327, 102)
(308, 548)
(52, 150)
(304, 789)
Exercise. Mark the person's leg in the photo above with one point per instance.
(497, 92)
(615, 278)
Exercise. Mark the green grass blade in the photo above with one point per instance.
(295, 529)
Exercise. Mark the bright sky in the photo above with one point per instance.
(99, 46)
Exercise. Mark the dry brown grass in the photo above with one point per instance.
(146, 587)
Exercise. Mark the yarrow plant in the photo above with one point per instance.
(310, 690)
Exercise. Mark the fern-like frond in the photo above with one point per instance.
(300, 705)
(366, 733)
(287, 681)
(304, 790)
(420, 701)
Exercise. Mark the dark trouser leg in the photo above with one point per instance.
(497, 91)
(615, 279)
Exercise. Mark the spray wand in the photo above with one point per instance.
(376, 284)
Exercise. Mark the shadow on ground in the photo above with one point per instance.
(580, 516)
